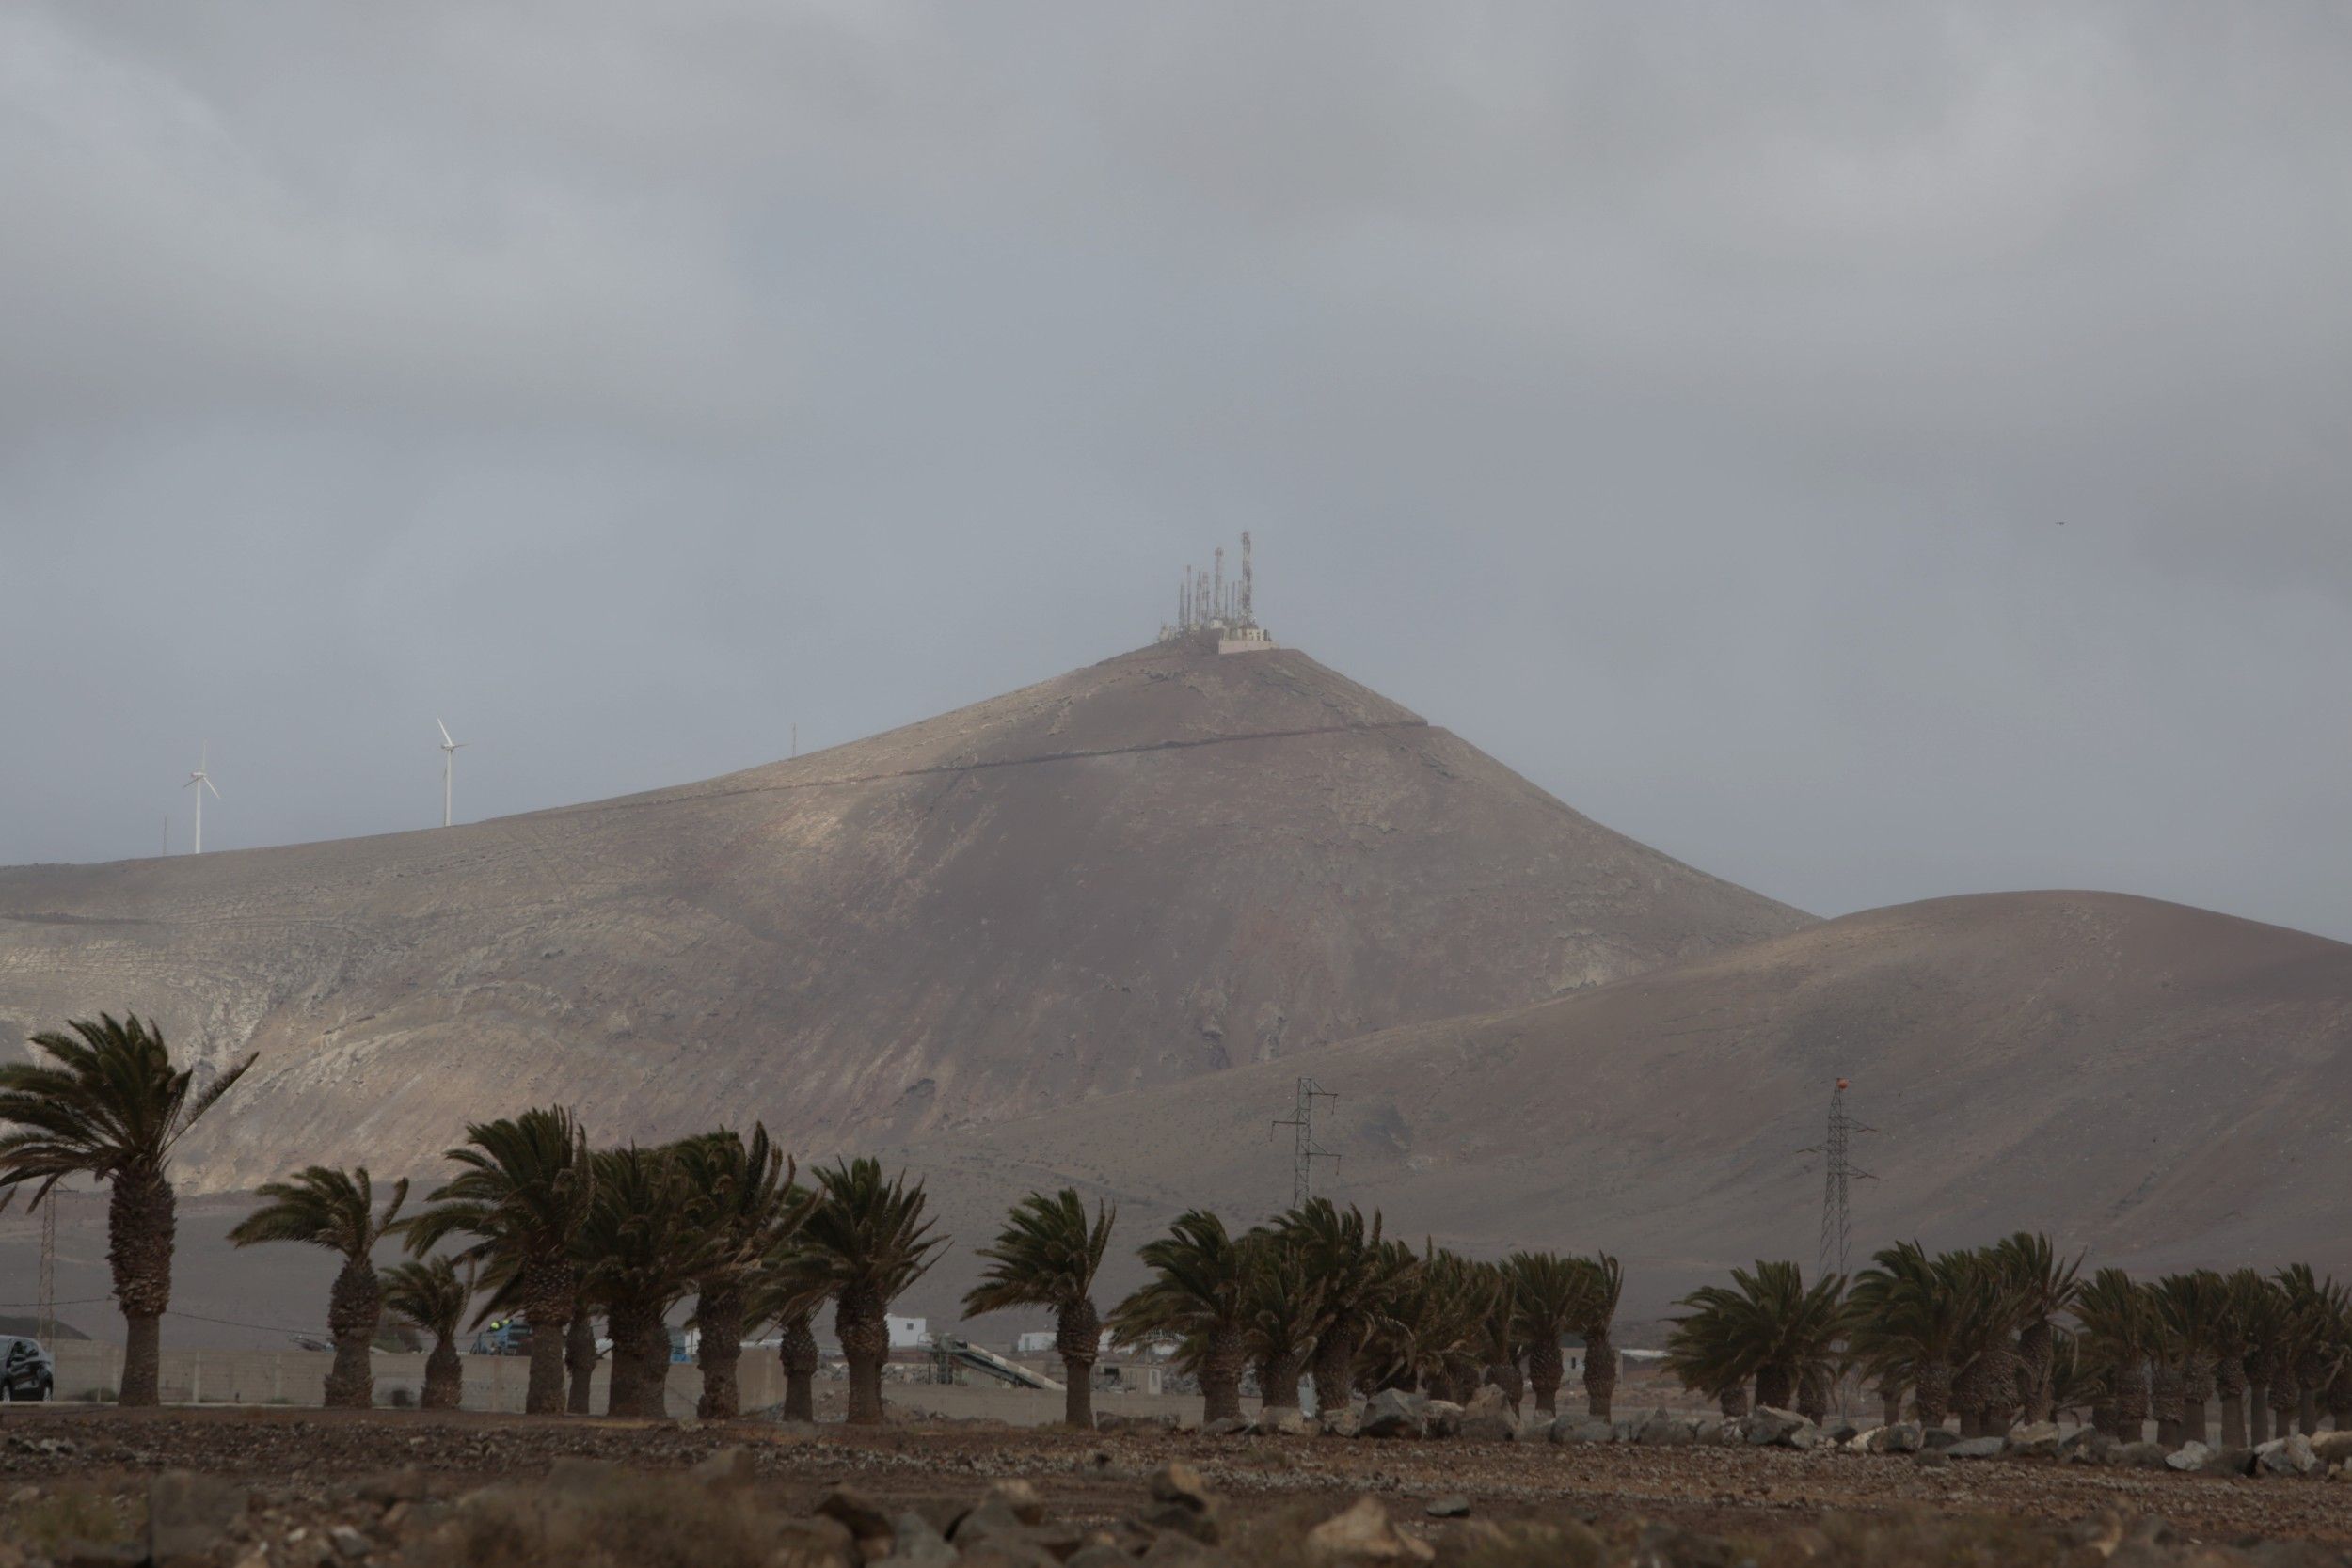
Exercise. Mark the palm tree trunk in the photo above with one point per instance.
(798, 1355)
(1543, 1375)
(1333, 1366)
(1732, 1401)
(860, 1322)
(1220, 1378)
(1890, 1406)
(1813, 1397)
(2307, 1410)
(1932, 1393)
(1278, 1383)
(2228, 1384)
(1774, 1388)
(444, 1376)
(140, 1222)
(353, 1307)
(2131, 1403)
(2036, 1354)
(1506, 1376)
(2196, 1381)
(719, 1311)
(2257, 1414)
(547, 1289)
(1600, 1372)
(580, 1356)
(653, 1379)
(1077, 1335)
(624, 1319)
(2164, 1394)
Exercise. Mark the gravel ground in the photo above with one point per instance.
(296, 1456)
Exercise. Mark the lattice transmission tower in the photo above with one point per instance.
(1838, 1173)
(1305, 1151)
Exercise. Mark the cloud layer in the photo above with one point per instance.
(1869, 453)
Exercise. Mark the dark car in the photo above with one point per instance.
(27, 1371)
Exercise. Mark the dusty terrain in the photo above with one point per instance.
(305, 1463)
(1154, 868)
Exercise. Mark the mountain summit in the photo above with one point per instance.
(1160, 866)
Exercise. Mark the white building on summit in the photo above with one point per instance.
(1209, 607)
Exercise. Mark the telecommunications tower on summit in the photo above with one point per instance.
(1210, 609)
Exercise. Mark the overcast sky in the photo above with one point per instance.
(1867, 451)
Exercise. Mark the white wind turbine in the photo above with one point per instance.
(448, 767)
(200, 780)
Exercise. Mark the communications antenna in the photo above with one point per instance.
(1305, 1151)
(1837, 1172)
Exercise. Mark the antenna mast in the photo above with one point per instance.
(1305, 1151)
(1249, 611)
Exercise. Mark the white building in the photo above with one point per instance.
(1037, 1341)
(909, 1333)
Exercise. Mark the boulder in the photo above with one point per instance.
(1708, 1430)
(863, 1517)
(2033, 1440)
(1018, 1498)
(1454, 1506)
(1393, 1413)
(189, 1514)
(1443, 1418)
(1489, 1401)
(917, 1543)
(1283, 1421)
(1784, 1429)
(1937, 1437)
(1360, 1536)
(1872, 1441)
(2291, 1455)
(2334, 1448)
(1662, 1431)
(2141, 1456)
(1181, 1501)
(1580, 1428)
(1494, 1425)
(1975, 1447)
(818, 1541)
(2229, 1462)
(1341, 1423)
(1839, 1434)
(2188, 1456)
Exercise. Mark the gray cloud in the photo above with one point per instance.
(1682, 401)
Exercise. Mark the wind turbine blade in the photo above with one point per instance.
(215, 789)
(445, 740)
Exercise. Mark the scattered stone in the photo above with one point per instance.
(1393, 1413)
(349, 1543)
(1441, 1418)
(860, 1515)
(1708, 1430)
(2229, 1462)
(1283, 1421)
(2334, 1448)
(1975, 1447)
(1362, 1537)
(1872, 1441)
(1182, 1502)
(1905, 1437)
(1454, 1506)
(2033, 1440)
(23, 1496)
(818, 1542)
(2291, 1455)
(1018, 1498)
(1662, 1431)
(1484, 1427)
(1841, 1433)
(1784, 1429)
(2188, 1456)
(1937, 1437)
(1581, 1429)
(1341, 1423)
(2141, 1456)
(189, 1514)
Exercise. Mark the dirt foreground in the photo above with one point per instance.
(63, 1471)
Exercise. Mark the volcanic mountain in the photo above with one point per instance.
(1148, 871)
(2160, 1084)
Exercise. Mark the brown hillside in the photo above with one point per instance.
(2161, 1084)
(1154, 868)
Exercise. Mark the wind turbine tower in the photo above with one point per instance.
(200, 780)
(449, 767)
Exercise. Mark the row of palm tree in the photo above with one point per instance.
(1319, 1292)
(2015, 1331)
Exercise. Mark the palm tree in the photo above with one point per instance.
(526, 1187)
(2120, 1335)
(1909, 1323)
(1282, 1311)
(865, 1242)
(1767, 1325)
(1047, 1255)
(640, 1251)
(1195, 1293)
(2313, 1305)
(432, 1296)
(788, 1289)
(1986, 1370)
(742, 1204)
(1358, 1276)
(336, 1209)
(2193, 1308)
(1498, 1349)
(2233, 1350)
(1600, 1319)
(2260, 1309)
(109, 1104)
(2045, 1286)
(1549, 1301)
(1425, 1338)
